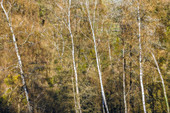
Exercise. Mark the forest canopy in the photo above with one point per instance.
(84, 56)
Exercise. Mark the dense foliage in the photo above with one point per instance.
(44, 42)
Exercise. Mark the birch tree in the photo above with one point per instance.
(162, 80)
(124, 78)
(74, 64)
(74, 95)
(101, 45)
(97, 58)
(140, 60)
(18, 57)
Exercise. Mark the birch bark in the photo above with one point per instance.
(97, 59)
(162, 80)
(74, 95)
(124, 79)
(74, 64)
(140, 62)
(19, 58)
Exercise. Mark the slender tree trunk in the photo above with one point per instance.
(124, 79)
(97, 59)
(163, 84)
(140, 62)
(74, 64)
(130, 96)
(19, 107)
(19, 59)
(74, 95)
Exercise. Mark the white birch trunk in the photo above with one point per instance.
(74, 64)
(140, 62)
(163, 84)
(97, 59)
(74, 95)
(19, 58)
(124, 80)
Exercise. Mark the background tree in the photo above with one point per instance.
(45, 46)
